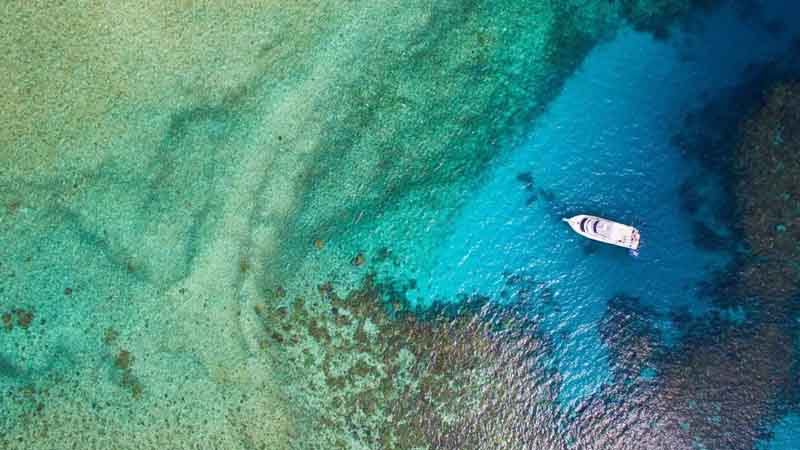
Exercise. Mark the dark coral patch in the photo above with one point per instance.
(244, 264)
(24, 317)
(109, 336)
(123, 360)
(526, 179)
(359, 259)
(12, 207)
(657, 17)
(707, 238)
(8, 321)
(690, 199)
(547, 195)
(375, 345)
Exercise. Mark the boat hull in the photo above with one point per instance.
(604, 230)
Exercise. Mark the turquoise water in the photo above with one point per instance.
(338, 225)
(606, 146)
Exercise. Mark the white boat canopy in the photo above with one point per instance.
(604, 230)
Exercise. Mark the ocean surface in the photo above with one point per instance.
(606, 146)
(353, 239)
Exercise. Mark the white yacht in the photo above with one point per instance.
(605, 230)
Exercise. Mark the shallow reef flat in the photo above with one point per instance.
(173, 175)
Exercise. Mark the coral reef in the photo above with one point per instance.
(709, 137)
(23, 317)
(455, 376)
(768, 164)
(753, 360)
(721, 386)
(168, 177)
(168, 166)
(633, 341)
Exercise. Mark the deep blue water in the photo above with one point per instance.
(607, 146)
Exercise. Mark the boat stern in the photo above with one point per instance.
(634, 239)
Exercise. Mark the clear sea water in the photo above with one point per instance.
(167, 207)
(606, 146)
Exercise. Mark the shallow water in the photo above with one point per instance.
(342, 230)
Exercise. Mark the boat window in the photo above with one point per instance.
(583, 222)
(602, 228)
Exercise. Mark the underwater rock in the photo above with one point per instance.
(527, 180)
(358, 260)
